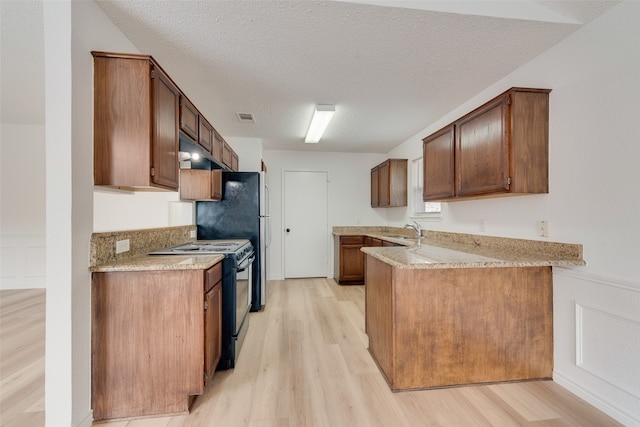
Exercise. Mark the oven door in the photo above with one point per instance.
(244, 284)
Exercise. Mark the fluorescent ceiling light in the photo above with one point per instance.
(319, 122)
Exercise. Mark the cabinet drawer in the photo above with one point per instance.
(352, 240)
(212, 276)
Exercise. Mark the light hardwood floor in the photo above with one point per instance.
(305, 363)
(22, 314)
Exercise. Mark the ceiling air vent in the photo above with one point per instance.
(245, 117)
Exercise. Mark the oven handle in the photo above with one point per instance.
(246, 263)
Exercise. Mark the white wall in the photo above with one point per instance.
(22, 209)
(249, 151)
(594, 173)
(348, 193)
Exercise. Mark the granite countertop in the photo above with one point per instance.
(455, 250)
(160, 262)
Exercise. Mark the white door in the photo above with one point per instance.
(305, 233)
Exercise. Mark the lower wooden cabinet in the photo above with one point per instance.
(349, 260)
(212, 320)
(156, 338)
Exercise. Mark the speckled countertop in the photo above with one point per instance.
(160, 262)
(104, 258)
(456, 250)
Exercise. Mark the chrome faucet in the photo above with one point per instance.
(416, 227)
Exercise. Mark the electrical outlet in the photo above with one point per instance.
(122, 246)
(543, 228)
(193, 234)
(482, 224)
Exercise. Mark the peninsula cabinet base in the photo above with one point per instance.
(147, 343)
(431, 328)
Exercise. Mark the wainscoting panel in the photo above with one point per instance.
(607, 355)
(597, 341)
(23, 261)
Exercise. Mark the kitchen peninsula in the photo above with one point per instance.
(452, 309)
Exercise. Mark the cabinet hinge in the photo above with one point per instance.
(206, 305)
(508, 180)
(153, 171)
(153, 73)
(509, 100)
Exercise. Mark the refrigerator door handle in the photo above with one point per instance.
(267, 194)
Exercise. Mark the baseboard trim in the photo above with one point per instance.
(606, 407)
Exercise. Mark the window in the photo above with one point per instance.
(421, 208)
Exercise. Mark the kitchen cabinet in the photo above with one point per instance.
(135, 124)
(372, 242)
(234, 161)
(349, 260)
(212, 321)
(439, 165)
(229, 157)
(452, 326)
(500, 148)
(375, 201)
(156, 339)
(201, 184)
(206, 135)
(195, 125)
(189, 118)
(216, 148)
(389, 184)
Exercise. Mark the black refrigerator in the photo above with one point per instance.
(243, 213)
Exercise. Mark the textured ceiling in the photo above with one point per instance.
(390, 71)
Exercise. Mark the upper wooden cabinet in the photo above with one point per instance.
(195, 125)
(229, 157)
(439, 165)
(141, 119)
(226, 154)
(374, 187)
(206, 135)
(389, 184)
(200, 184)
(135, 123)
(189, 118)
(501, 148)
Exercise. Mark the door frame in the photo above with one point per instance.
(283, 224)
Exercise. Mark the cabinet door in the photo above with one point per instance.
(212, 320)
(212, 330)
(438, 165)
(375, 202)
(384, 183)
(482, 157)
(234, 161)
(216, 149)
(226, 154)
(205, 135)
(188, 118)
(216, 184)
(164, 147)
(351, 259)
